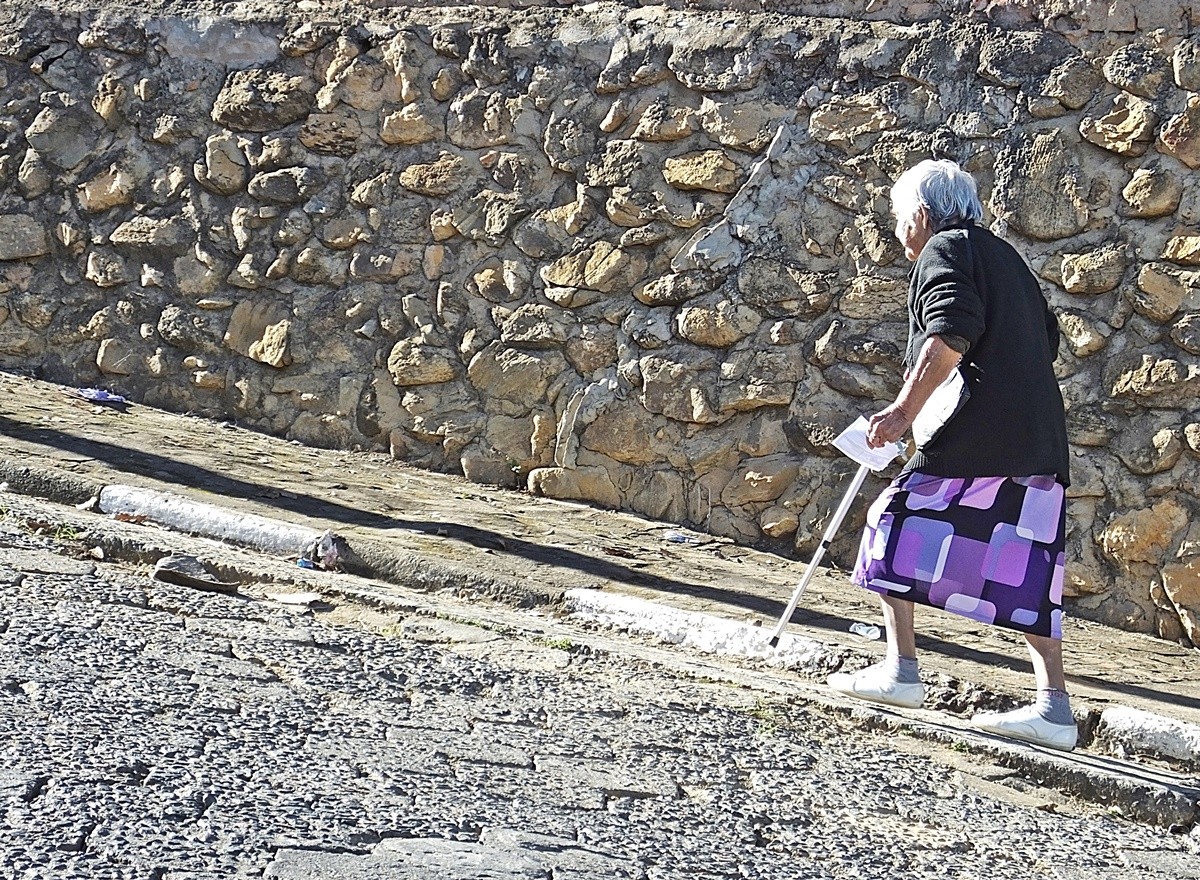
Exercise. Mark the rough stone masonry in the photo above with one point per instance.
(636, 256)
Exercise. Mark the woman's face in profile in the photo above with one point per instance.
(914, 233)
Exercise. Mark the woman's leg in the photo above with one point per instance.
(1046, 654)
(896, 680)
(898, 619)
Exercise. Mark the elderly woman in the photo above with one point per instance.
(974, 523)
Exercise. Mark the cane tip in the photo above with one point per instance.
(774, 641)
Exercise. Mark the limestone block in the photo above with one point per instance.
(261, 100)
(872, 297)
(623, 163)
(1039, 187)
(709, 170)
(416, 362)
(107, 270)
(1153, 191)
(189, 330)
(225, 168)
(259, 330)
(500, 281)
(1180, 136)
(568, 142)
(1126, 129)
(1094, 272)
(551, 231)
(717, 326)
(781, 290)
(523, 377)
(856, 380)
(363, 82)
(619, 111)
(1183, 249)
(640, 59)
(65, 135)
(536, 326)
(600, 266)
(385, 264)
(1151, 381)
(577, 484)
(418, 123)
(482, 465)
(660, 495)
(22, 237)
(711, 62)
(33, 177)
(315, 265)
(1191, 435)
(1138, 68)
(760, 479)
(1081, 334)
(1074, 83)
(1147, 447)
(285, 186)
(198, 273)
(442, 177)
(755, 377)
(345, 230)
(679, 386)
(879, 242)
(1143, 535)
(478, 119)
(110, 188)
(1186, 333)
(1160, 290)
(594, 348)
(662, 122)
(673, 290)
(741, 126)
(842, 121)
(649, 329)
(116, 357)
(445, 84)
(1181, 582)
(1019, 58)
(171, 235)
(1185, 63)
(628, 433)
(335, 134)
(778, 521)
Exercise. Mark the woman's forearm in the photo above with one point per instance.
(934, 364)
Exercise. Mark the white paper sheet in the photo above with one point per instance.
(852, 443)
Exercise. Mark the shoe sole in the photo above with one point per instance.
(1027, 738)
(877, 699)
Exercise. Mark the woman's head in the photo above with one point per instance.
(929, 197)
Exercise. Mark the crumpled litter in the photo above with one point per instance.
(188, 571)
(98, 395)
(330, 552)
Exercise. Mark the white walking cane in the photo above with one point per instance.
(852, 442)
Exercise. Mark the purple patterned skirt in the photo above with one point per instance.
(988, 548)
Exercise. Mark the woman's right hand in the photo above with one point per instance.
(887, 426)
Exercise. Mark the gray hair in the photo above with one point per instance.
(946, 191)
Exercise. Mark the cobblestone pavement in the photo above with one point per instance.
(154, 731)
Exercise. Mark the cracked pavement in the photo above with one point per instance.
(155, 731)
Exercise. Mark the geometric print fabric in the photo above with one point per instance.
(987, 548)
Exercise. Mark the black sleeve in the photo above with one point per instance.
(946, 299)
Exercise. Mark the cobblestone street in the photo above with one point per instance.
(155, 731)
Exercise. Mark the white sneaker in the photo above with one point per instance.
(1027, 725)
(874, 685)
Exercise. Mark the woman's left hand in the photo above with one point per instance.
(887, 426)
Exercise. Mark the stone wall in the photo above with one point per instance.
(639, 257)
